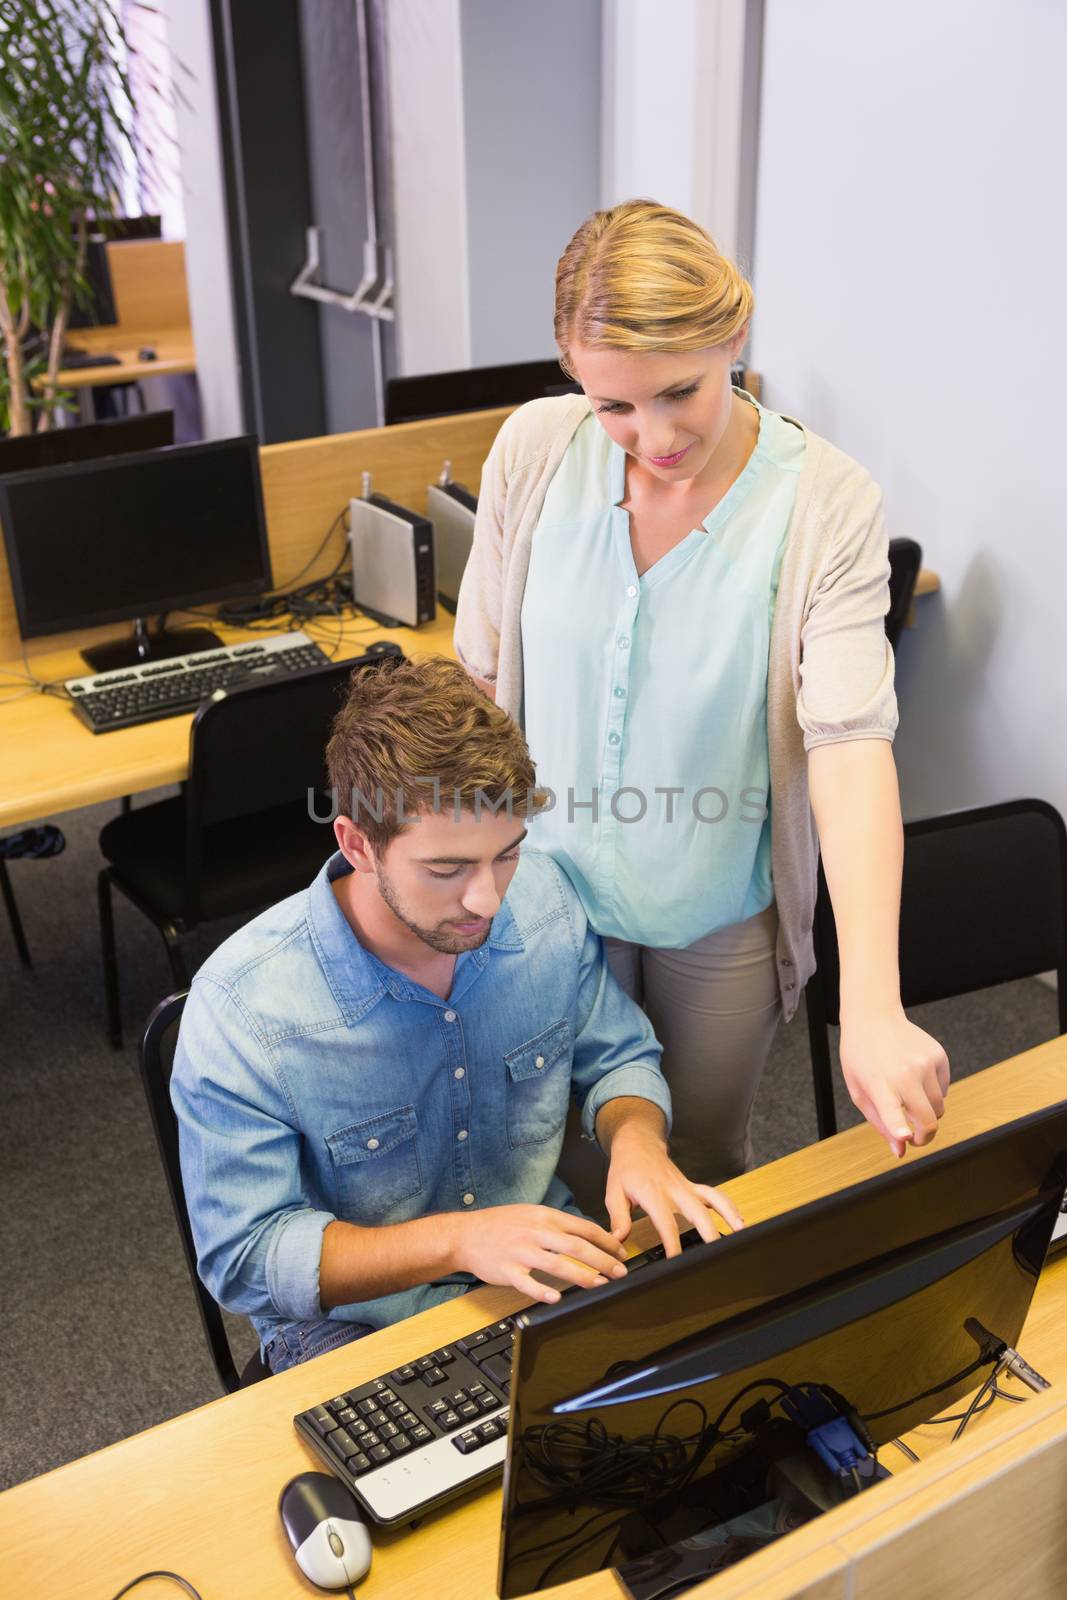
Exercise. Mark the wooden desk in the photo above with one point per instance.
(148, 279)
(198, 1495)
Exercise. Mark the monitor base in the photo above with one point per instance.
(143, 646)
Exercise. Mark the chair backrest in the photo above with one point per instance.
(156, 1060)
(261, 747)
(983, 901)
(905, 560)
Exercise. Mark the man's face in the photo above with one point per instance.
(445, 879)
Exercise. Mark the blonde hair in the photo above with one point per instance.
(417, 736)
(643, 277)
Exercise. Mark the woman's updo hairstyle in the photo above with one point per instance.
(643, 277)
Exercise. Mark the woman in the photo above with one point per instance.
(681, 594)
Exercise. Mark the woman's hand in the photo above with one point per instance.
(896, 1075)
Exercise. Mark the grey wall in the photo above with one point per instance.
(531, 110)
(911, 252)
(207, 262)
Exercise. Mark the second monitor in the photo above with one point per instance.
(136, 537)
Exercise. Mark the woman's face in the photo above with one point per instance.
(668, 409)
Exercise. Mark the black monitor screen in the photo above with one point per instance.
(441, 394)
(678, 1404)
(135, 535)
(117, 436)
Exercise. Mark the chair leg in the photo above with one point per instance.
(13, 915)
(178, 969)
(822, 1068)
(110, 957)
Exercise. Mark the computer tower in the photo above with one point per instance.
(452, 510)
(392, 561)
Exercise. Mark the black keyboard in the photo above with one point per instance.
(420, 1435)
(72, 359)
(147, 693)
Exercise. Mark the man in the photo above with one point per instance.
(372, 1078)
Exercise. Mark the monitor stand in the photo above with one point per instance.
(143, 646)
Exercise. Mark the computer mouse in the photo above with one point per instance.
(324, 1527)
(146, 353)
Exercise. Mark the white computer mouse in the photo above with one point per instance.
(325, 1528)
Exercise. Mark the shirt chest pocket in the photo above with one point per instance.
(537, 1087)
(376, 1167)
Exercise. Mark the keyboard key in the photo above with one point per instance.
(466, 1442)
(492, 1347)
(386, 1397)
(425, 1363)
(399, 1444)
(434, 1376)
(397, 1408)
(367, 1406)
(488, 1402)
(380, 1452)
(498, 1368)
(503, 1327)
(358, 1464)
(359, 1427)
(388, 1430)
(448, 1421)
(468, 1410)
(438, 1408)
(322, 1421)
(376, 1418)
(368, 1440)
(458, 1397)
(472, 1342)
(408, 1421)
(444, 1356)
(403, 1375)
(340, 1404)
(488, 1431)
(421, 1434)
(476, 1390)
(342, 1443)
(346, 1417)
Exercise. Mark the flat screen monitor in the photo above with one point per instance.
(442, 394)
(656, 1409)
(116, 436)
(135, 536)
(99, 310)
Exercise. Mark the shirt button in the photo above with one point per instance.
(372, 1144)
(450, 1016)
(620, 694)
(539, 1063)
(631, 591)
(613, 738)
(624, 643)
(459, 1072)
(462, 1134)
(468, 1199)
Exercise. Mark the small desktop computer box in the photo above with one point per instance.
(392, 560)
(452, 510)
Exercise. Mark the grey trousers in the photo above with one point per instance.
(714, 1007)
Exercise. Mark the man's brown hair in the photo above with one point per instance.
(416, 736)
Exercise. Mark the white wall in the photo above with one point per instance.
(207, 262)
(911, 256)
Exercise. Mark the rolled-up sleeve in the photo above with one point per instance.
(258, 1237)
(846, 666)
(615, 1050)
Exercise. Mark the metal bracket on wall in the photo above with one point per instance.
(373, 295)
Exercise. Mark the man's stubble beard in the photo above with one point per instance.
(446, 944)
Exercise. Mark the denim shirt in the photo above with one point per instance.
(313, 1082)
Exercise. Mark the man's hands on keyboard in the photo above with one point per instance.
(506, 1244)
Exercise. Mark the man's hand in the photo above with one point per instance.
(641, 1173)
(504, 1245)
(896, 1075)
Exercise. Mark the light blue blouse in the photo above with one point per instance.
(645, 700)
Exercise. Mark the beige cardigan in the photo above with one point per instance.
(830, 672)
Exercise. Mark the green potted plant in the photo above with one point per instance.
(66, 122)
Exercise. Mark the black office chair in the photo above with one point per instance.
(241, 836)
(905, 560)
(157, 1058)
(983, 901)
(30, 844)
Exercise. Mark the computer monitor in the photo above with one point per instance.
(442, 394)
(134, 537)
(116, 436)
(99, 310)
(657, 1408)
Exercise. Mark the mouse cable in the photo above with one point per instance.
(173, 1576)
